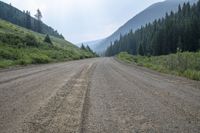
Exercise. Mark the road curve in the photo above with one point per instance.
(95, 96)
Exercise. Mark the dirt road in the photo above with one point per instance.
(96, 95)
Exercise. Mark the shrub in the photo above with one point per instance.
(7, 54)
(185, 64)
(125, 57)
(6, 63)
(30, 40)
(47, 39)
(23, 61)
(195, 75)
(39, 58)
(10, 38)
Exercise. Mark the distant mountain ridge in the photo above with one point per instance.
(155, 11)
(16, 16)
(91, 44)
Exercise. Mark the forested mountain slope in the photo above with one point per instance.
(177, 31)
(23, 19)
(153, 12)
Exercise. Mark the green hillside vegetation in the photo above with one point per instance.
(19, 46)
(186, 64)
(24, 19)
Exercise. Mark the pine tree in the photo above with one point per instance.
(141, 50)
(89, 49)
(28, 20)
(38, 16)
(199, 45)
(179, 8)
(83, 47)
(47, 39)
(179, 44)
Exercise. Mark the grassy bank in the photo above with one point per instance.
(19, 46)
(184, 64)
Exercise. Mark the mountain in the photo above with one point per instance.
(23, 19)
(91, 44)
(178, 31)
(155, 11)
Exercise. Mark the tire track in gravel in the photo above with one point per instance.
(26, 72)
(63, 113)
(127, 99)
(164, 96)
(24, 75)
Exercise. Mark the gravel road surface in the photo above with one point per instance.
(98, 95)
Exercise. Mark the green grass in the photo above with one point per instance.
(186, 64)
(124, 56)
(19, 46)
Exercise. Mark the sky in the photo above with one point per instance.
(84, 20)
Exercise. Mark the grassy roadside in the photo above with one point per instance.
(184, 64)
(19, 46)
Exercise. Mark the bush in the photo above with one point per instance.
(7, 54)
(10, 38)
(39, 58)
(195, 75)
(125, 57)
(23, 61)
(30, 40)
(185, 64)
(6, 63)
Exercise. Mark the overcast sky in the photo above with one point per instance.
(84, 20)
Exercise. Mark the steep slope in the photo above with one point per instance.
(15, 16)
(20, 46)
(153, 12)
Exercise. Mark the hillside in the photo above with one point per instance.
(23, 19)
(178, 31)
(19, 46)
(153, 12)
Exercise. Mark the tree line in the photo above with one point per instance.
(24, 19)
(176, 31)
